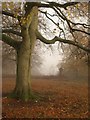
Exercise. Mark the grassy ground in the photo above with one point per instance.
(58, 98)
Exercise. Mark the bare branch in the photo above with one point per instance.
(12, 15)
(46, 14)
(63, 5)
(82, 24)
(68, 22)
(78, 30)
(11, 31)
(52, 4)
(8, 40)
(55, 39)
(8, 14)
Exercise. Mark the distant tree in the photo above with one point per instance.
(75, 60)
(26, 29)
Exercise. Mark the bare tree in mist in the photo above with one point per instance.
(24, 32)
(75, 60)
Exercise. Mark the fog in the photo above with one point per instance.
(50, 63)
(49, 66)
(52, 58)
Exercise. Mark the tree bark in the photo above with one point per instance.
(23, 80)
(23, 85)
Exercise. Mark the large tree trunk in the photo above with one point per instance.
(23, 80)
(23, 85)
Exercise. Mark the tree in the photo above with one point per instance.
(26, 27)
(75, 60)
(9, 60)
(75, 65)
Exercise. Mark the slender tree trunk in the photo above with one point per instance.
(23, 80)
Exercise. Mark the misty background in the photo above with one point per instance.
(52, 60)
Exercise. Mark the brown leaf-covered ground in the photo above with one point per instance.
(58, 98)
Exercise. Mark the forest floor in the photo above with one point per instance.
(59, 98)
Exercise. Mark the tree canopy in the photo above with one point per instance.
(68, 15)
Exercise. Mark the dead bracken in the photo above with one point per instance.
(60, 100)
